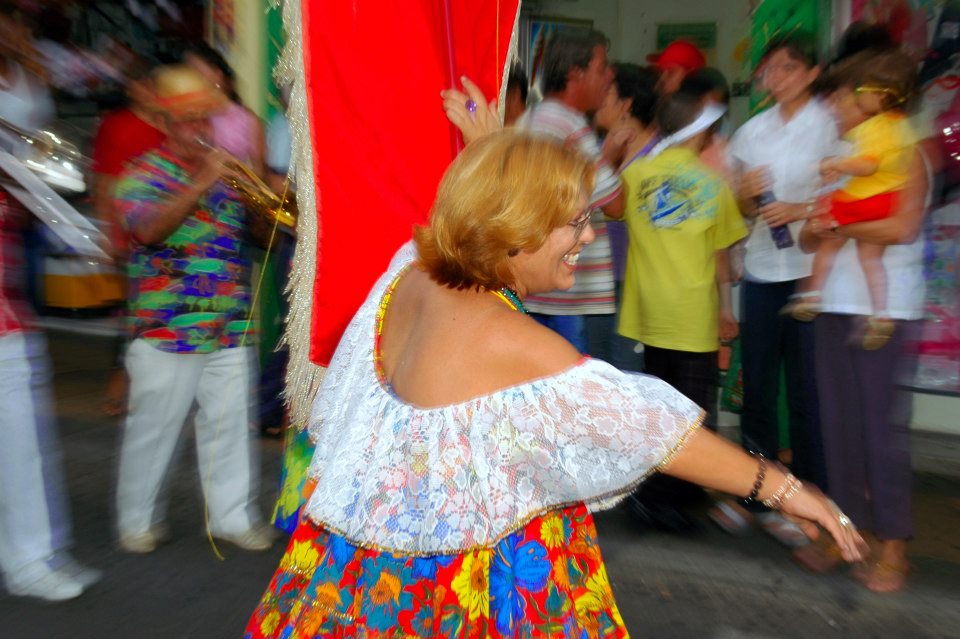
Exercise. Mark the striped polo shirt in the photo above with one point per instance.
(593, 291)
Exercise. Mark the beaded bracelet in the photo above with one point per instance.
(761, 475)
(787, 490)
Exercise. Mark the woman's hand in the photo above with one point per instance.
(779, 213)
(713, 462)
(753, 183)
(470, 112)
(810, 508)
(823, 226)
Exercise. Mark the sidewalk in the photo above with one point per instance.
(706, 584)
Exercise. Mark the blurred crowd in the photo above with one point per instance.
(184, 189)
(795, 240)
(812, 210)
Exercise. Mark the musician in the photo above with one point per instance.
(189, 309)
(35, 530)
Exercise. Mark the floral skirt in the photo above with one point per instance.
(294, 487)
(544, 580)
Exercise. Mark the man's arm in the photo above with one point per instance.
(728, 322)
(156, 225)
(614, 208)
(153, 227)
(103, 186)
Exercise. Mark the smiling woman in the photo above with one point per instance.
(491, 197)
(460, 443)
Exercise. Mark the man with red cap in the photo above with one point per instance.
(675, 62)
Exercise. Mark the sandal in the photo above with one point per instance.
(820, 556)
(880, 576)
(877, 333)
(782, 529)
(730, 517)
(803, 307)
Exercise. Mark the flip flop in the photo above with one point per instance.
(821, 556)
(782, 529)
(730, 517)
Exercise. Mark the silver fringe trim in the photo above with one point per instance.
(508, 62)
(303, 376)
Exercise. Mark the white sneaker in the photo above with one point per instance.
(258, 539)
(63, 563)
(40, 581)
(146, 541)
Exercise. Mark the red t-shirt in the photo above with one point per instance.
(121, 137)
(15, 313)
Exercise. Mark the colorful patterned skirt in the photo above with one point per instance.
(545, 580)
(294, 487)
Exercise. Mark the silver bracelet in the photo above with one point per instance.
(787, 490)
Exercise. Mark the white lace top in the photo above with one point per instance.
(445, 480)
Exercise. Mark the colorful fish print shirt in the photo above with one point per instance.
(189, 293)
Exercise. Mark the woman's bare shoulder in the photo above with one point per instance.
(522, 349)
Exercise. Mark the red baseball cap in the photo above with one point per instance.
(678, 53)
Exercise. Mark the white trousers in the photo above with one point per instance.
(163, 388)
(34, 520)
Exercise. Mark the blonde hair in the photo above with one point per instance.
(504, 193)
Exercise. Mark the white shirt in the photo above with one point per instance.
(845, 291)
(791, 151)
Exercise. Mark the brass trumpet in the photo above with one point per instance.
(258, 197)
(51, 158)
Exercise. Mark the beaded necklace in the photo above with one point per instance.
(511, 299)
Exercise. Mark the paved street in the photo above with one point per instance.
(702, 585)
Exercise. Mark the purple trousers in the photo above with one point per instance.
(865, 423)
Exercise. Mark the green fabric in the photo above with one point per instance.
(774, 18)
(271, 320)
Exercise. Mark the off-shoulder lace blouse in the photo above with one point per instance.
(423, 481)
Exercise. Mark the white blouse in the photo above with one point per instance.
(845, 291)
(413, 480)
(792, 152)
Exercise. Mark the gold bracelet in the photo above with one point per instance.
(787, 490)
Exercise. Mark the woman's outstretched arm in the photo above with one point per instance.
(713, 462)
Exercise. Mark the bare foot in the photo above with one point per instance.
(879, 576)
(889, 572)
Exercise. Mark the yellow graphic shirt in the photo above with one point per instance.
(679, 213)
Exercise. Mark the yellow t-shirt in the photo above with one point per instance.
(679, 213)
(887, 138)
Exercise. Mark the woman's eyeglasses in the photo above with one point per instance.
(580, 223)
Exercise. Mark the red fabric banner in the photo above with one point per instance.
(374, 72)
